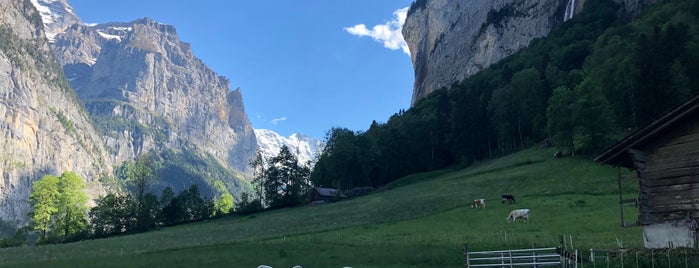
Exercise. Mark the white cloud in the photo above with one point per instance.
(276, 121)
(389, 33)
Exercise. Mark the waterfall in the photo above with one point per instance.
(570, 10)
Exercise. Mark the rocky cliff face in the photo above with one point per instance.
(43, 126)
(450, 40)
(57, 15)
(147, 91)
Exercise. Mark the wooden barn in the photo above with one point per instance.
(665, 155)
(323, 195)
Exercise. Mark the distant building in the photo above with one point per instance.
(325, 195)
(665, 155)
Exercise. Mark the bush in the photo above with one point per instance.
(18, 239)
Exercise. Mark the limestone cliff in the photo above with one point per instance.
(146, 91)
(43, 127)
(450, 40)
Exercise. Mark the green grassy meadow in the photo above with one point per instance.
(422, 220)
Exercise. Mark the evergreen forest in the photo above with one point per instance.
(594, 79)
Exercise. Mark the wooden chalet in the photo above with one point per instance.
(665, 155)
(324, 195)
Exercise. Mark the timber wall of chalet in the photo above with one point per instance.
(668, 171)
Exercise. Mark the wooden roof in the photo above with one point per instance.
(329, 192)
(617, 155)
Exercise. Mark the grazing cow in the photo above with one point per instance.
(518, 213)
(508, 198)
(478, 203)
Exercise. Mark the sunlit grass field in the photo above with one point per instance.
(422, 220)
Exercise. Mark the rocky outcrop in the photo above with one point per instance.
(450, 40)
(43, 127)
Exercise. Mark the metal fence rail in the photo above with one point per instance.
(534, 257)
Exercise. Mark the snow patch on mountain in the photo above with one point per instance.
(109, 36)
(305, 148)
(57, 16)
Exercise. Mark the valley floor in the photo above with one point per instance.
(422, 220)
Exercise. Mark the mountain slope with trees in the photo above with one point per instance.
(594, 78)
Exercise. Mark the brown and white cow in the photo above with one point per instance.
(518, 213)
(478, 203)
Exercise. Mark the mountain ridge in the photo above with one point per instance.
(304, 147)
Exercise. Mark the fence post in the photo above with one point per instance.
(510, 250)
(536, 260)
(502, 259)
(466, 261)
(562, 241)
(621, 253)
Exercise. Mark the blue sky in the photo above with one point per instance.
(298, 66)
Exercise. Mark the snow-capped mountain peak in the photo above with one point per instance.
(303, 147)
(57, 16)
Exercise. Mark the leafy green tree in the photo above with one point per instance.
(593, 118)
(436, 121)
(44, 201)
(338, 162)
(72, 205)
(286, 181)
(166, 196)
(560, 118)
(248, 205)
(470, 137)
(150, 212)
(224, 204)
(530, 97)
(503, 116)
(258, 165)
(113, 214)
(141, 175)
(187, 206)
(59, 205)
(659, 82)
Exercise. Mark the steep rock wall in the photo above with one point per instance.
(450, 40)
(43, 127)
(147, 91)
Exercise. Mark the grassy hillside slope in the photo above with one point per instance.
(422, 220)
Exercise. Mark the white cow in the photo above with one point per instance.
(478, 203)
(518, 213)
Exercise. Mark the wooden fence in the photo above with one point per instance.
(638, 258)
(534, 257)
